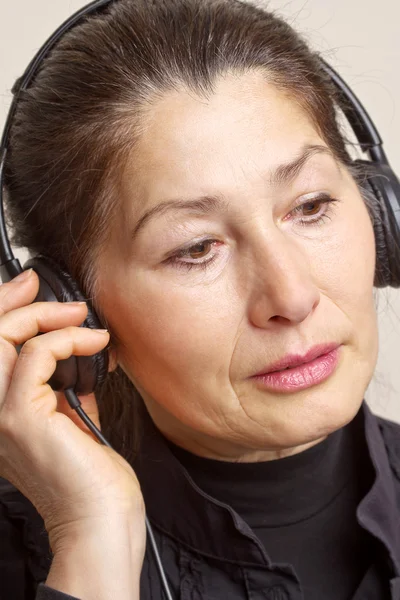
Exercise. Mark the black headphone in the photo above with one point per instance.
(85, 374)
(82, 375)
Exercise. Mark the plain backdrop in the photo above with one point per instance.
(361, 40)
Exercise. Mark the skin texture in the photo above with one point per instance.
(191, 339)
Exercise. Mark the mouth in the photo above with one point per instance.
(302, 371)
(291, 361)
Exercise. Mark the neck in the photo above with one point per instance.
(281, 491)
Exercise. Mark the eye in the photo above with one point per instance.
(198, 250)
(195, 252)
(201, 256)
(315, 211)
(311, 208)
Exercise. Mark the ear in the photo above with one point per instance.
(112, 359)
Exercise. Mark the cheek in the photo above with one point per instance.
(362, 302)
(166, 330)
(177, 332)
(351, 276)
(348, 267)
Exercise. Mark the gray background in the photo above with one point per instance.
(359, 37)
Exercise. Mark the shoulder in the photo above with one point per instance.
(390, 432)
(389, 428)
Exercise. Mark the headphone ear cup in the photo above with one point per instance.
(385, 188)
(82, 373)
(382, 267)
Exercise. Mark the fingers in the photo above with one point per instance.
(20, 320)
(19, 291)
(37, 363)
(22, 324)
(23, 378)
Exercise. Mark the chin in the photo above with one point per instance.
(313, 413)
(319, 418)
(304, 417)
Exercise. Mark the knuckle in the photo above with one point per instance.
(70, 333)
(41, 344)
(5, 290)
(43, 309)
(35, 352)
(8, 358)
(8, 353)
(70, 330)
(31, 347)
(40, 311)
(2, 310)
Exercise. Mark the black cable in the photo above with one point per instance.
(75, 403)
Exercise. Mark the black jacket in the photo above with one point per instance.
(208, 551)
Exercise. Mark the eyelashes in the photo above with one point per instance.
(314, 217)
(323, 200)
(188, 266)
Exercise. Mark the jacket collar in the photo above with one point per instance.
(179, 508)
(378, 512)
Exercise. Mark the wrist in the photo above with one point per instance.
(100, 559)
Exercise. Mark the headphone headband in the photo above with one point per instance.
(23, 82)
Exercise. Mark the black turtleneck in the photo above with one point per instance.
(302, 508)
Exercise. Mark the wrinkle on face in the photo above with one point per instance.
(191, 340)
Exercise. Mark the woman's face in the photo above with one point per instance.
(227, 257)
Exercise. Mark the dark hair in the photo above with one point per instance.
(75, 126)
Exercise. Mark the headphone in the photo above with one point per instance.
(85, 374)
(82, 375)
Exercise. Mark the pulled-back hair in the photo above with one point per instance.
(75, 127)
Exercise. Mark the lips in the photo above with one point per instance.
(294, 360)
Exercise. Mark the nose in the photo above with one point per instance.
(283, 287)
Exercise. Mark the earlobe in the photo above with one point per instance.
(112, 359)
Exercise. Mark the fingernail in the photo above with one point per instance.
(101, 330)
(22, 276)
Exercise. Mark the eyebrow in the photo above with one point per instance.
(208, 204)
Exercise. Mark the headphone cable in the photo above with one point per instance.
(76, 405)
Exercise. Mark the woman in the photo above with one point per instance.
(182, 160)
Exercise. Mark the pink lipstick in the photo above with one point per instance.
(297, 372)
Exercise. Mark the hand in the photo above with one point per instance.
(46, 451)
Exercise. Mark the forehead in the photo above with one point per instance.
(189, 143)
